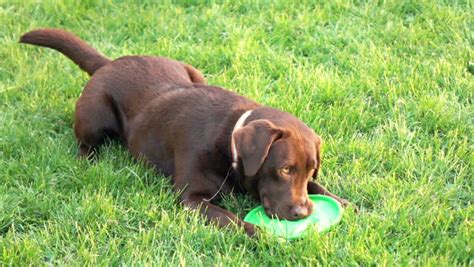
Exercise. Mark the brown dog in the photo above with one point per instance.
(210, 140)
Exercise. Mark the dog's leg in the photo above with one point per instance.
(95, 121)
(195, 188)
(217, 214)
(315, 188)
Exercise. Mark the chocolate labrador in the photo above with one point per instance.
(211, 141)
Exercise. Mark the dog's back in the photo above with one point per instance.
(118, 89)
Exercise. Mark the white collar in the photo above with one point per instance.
(238, 125)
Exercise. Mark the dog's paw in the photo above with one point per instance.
(344, 202)
(347, 205)
(250, 229)
(87, 153)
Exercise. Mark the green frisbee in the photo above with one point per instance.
(326, 213)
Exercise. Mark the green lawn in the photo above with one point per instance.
(385, 83)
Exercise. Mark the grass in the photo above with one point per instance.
(385, 83)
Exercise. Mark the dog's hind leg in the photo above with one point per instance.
(95, 121)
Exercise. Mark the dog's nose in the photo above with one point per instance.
(299, 212)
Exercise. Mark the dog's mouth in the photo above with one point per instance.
(271, 210)
(272, 213)
(275, 212)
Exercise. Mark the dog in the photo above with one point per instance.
(209, 140)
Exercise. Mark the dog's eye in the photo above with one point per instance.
(286, 170)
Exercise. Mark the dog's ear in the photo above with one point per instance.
(253, 142)
(318, 144)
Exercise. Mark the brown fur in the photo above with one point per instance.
(164, 112)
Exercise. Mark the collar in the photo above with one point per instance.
(240, 122)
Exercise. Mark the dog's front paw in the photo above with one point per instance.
(347, 204)
(344, 202)
(250, 229)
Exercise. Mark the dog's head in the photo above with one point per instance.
(277, 158)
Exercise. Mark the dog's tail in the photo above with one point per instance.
(70, 45)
